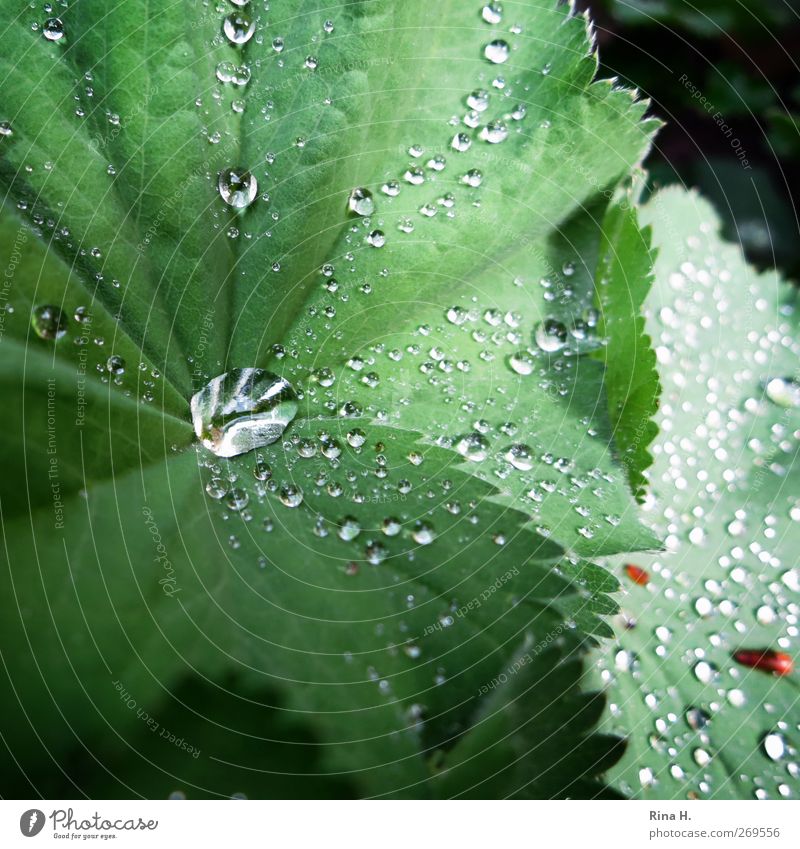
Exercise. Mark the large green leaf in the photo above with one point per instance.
(126, 581)
(725, 490)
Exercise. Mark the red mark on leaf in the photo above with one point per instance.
(767, 660)
(637, 574)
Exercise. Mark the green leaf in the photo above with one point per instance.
(725, 484)
(624, 278)
(125, 579)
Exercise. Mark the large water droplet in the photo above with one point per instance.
(49, 322)
(474, 446)
(774, 746)
(496, 51)
(238, 28)
(237, 188)
(241, 410)
(360, 202)
(550, 336)
(53, 29)
(783, 391)
(494, 132)
(492, 13)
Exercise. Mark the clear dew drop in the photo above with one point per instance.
(497, 51)
(49, 322)
(236, 500)
(216, 488)
(550, 336)
(356, 437)
(53, 29)
(696, 718)
(360, 202)
(472, 178)
(461, 142)
(522, 362)
(474, 446)
(492, 13)
(241, 410)
(290, 495)
(237, 188)
(704, 672)
(495, 132)
(115, 365)
(478, 100)
(783, 391)
(423, 533)
(349, 529)
(520, 456)
(238, 28)
(774, 746)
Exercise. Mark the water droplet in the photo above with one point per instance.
(520, 456)
(216, 488)
(783, 391)
(423, 533)
(478, 100)
(492, 13)
(774, 746)
(391, 526)
(377, 238)
(472, 178)
(701, 757)
(49, 322)
(290, 495)
(53, 29)
(704, 672)
(461, 142)
(550, 336)
(238, 28)
(237, 188)
(241, 410)
(696, 718)
(494, 132)
(360, 202)
(115, 365)
(522, 362)
(356, 437)
(349, 529)
(474, 446)
(237, 500)
(496, 51)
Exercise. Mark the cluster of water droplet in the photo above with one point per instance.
(716, 707)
